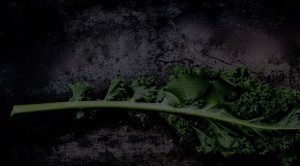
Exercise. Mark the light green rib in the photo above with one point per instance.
(154, 107)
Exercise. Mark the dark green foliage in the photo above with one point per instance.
(239, 77)
(219, 139)
(116, 90)
(285, 100)
(254, 103)
(264, 101)
(144, 89)
(182, 127)
(80, 91)
(187, 85)
(226, 113)
(220, 93)
(245, 98)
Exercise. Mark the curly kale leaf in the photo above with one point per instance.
(236, 140)
(248, 99)
(219, 139)
(183, 127)
(206, 73)
(116, 90)
(144, 89)
(226, 113)
(220, 93)
(80, 91)
(213, 86)
(239, 77)
(285, 100)
(264, 101)
(187, 85)
(254, 103)
(167, 98)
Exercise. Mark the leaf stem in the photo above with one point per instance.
(206, 113)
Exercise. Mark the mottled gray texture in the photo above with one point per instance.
(130, 43)
(122, 145)
(114, 146)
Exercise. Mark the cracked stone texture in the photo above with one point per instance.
(103, 45)
(98, 43)
(114, 146)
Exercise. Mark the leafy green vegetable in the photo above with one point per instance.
(187, 85)
(239, 77)
(248, 99)
(116, 90)
(80, 91)
(222, 140)
(266, 102)
(217, 112)
(144, 89)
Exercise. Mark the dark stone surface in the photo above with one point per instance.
(47, 44)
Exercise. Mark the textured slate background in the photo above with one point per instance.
(46, 44)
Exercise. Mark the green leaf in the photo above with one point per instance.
(144, 89)
(80, 91)
(187, 86)
(207, 144)
(218, 112)
(230, 143)
(181, 125)
(116, 90)
(168, 98)
(219, 93)
(292, 120)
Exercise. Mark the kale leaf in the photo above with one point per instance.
(229, 113)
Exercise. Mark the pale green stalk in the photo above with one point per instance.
(206, 113)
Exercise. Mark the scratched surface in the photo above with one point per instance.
(44, 52)
(132, 43)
